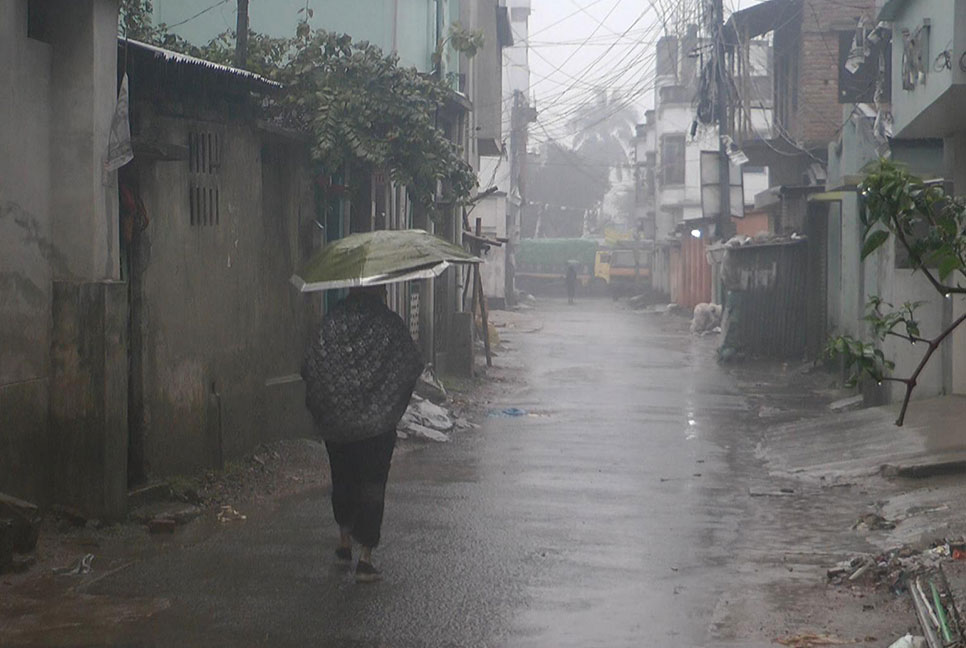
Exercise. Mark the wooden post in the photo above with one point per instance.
(478, 295)
(241, 35)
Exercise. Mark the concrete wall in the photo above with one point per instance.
(487, 70)
(492, 212)
(88, 397)
(932, 108)
(223, 330)
(25, 243)
(853, 282)
(57, 221)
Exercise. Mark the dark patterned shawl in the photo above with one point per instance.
(360, 370)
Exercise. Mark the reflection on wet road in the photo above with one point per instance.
(604, 521)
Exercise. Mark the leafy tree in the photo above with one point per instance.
(603, 128)
(930, 226)
(566, 178)
(361, 107)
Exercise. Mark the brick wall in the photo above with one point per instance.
(818, 116)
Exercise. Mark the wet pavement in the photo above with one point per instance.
(615, 511)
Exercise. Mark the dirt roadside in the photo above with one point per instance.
(185, 511)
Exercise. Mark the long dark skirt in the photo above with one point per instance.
(359, 473)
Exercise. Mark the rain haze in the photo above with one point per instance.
(482, 323)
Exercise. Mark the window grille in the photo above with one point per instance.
(204, 193)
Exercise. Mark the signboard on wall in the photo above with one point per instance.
(711, 187)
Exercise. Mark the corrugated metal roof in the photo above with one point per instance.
(177, 58)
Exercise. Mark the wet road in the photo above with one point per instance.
(605, 517)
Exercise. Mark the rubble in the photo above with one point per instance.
(873, 522)
(24, 518)
(82, 565)
(707, 318)
(429, 387)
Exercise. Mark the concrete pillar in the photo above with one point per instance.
(83, 94)
(88, 397)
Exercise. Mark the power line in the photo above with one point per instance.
(200, 13)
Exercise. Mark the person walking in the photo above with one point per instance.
(360, 372)
(571, 281)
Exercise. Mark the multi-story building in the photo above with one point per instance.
(669, 148)
(502, 210)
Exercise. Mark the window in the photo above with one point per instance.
(204, 161)
(672, 159)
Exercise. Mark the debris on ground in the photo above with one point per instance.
(507, 412)
(895, 569)
(847, 404)
(80, 566)
(24, 520)
(873, 522)
(707, 318)
(429, 387)
(781, 492)
(68, 515)
(227, 513)
(161, 525)
(909, 641)
(811, 640)
(425, 420)
(936, 610)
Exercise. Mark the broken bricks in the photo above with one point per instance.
(24, 520)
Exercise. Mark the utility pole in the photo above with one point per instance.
(241, 35)
(514, 198)
(723, 224)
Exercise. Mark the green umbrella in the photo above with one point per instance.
(381, 257)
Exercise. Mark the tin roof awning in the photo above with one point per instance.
(760, 19)
(177, 59)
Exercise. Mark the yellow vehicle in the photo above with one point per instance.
(624, 270)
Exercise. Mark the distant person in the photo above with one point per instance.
(571, 282)
(360, 372)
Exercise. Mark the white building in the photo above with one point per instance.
(500, 211)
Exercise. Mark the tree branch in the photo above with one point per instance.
(913, 379)
(917, 260)
(908, 338)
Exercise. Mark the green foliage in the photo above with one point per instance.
(861, 358)
(925, 220)
(866, 358)
(361, 107)
(466, 41)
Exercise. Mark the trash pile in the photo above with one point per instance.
(921, 574)
(427, 418)
(895, 568)
(706, 320)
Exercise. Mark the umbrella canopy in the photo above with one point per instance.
(380, 257)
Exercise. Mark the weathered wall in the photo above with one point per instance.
(223, 330)
(56, 221)
(492, 212)
(88, 397)
(84, 82)
(24, 246)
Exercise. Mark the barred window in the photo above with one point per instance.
(204, 162)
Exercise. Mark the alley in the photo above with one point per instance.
(598, 518)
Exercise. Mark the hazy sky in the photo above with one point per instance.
(578, 47)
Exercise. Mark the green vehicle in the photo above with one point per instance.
(541, 264)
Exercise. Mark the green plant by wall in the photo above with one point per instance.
(929, 225)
